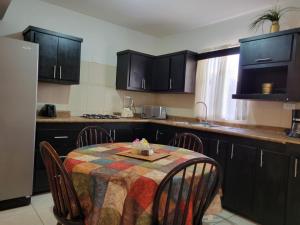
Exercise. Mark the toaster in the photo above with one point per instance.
(154, 112)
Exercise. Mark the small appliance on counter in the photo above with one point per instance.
(48, 111)
(128, 107)
(295, 129)
(154, 112)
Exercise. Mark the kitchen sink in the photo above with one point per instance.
(204, 124)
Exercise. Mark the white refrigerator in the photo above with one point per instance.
(18, 91)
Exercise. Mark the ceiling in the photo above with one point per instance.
(163, 17)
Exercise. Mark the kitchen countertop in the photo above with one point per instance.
(273, 135)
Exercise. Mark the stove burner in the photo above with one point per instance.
(99, 116)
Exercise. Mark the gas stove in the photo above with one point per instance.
(99, 116)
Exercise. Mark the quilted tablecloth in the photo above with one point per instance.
(117, 190)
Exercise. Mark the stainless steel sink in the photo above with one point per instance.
(204, 124)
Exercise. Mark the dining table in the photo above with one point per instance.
(118, 190)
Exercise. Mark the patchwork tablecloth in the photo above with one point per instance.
(117, 190)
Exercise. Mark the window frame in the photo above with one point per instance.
(218, 53)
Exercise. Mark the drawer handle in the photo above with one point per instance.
(264, 60)
(232, 151)
(61, 137)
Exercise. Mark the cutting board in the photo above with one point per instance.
(151, 158)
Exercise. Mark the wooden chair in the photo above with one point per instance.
(66, 208)
(205, 177)
(93, 135)
(187, 140)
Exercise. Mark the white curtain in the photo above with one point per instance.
(215, 83)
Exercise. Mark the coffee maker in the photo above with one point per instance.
(295, 129)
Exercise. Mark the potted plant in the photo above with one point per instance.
(272, 15)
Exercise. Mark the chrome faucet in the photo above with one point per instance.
(205, 106)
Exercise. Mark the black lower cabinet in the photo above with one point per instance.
(218, 150)
(293, 197)
(163, 134)
(239, 179)
(271, 187)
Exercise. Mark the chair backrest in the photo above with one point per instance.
(186, 192)
(93, 135)
(66, 203)
(187, 140)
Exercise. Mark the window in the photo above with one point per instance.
(216, 81)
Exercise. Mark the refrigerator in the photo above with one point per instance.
(18, 91)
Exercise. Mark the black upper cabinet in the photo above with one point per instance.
(270, 58)
(267, 50)
(59, 55)
(47, 55)
(133, 71)
(160, 74)
(174, 72)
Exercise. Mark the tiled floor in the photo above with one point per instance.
(40, 213)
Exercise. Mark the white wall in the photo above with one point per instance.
(221, 35)
(101, 41)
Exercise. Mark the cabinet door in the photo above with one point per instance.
(268, 50)
(239, 179)
(293, 197)
(271, 187)
(68, 60)
(164, 135)
(218, 151)
(177, 72)
(123, 66)
(139, 72)
(47, 56)
(160, 74)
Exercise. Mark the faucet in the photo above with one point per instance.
(205, 106)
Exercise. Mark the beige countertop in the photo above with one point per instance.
(273, 135)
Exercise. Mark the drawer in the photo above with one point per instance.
(56, 136)
(268, 50)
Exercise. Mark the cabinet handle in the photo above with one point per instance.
(232, 151)
(261, 158)
(218, 144)
(170, 83)
(60, 72)
(61, 137)
(296, 168)
(54, 71)
(144, 84)
(264, 60)
(114, 135)
(156, 136)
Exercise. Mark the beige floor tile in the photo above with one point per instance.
(43, 205)
(22, 215)
(215, 219)
(240, 221)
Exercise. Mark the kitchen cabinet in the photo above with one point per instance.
(218, 151)
(63, 138)
(59, 55)
(239, 179)
(133, 71)
(272, 171)
(293, 196)
(173, 72)
(160, 74)
(270, 58)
